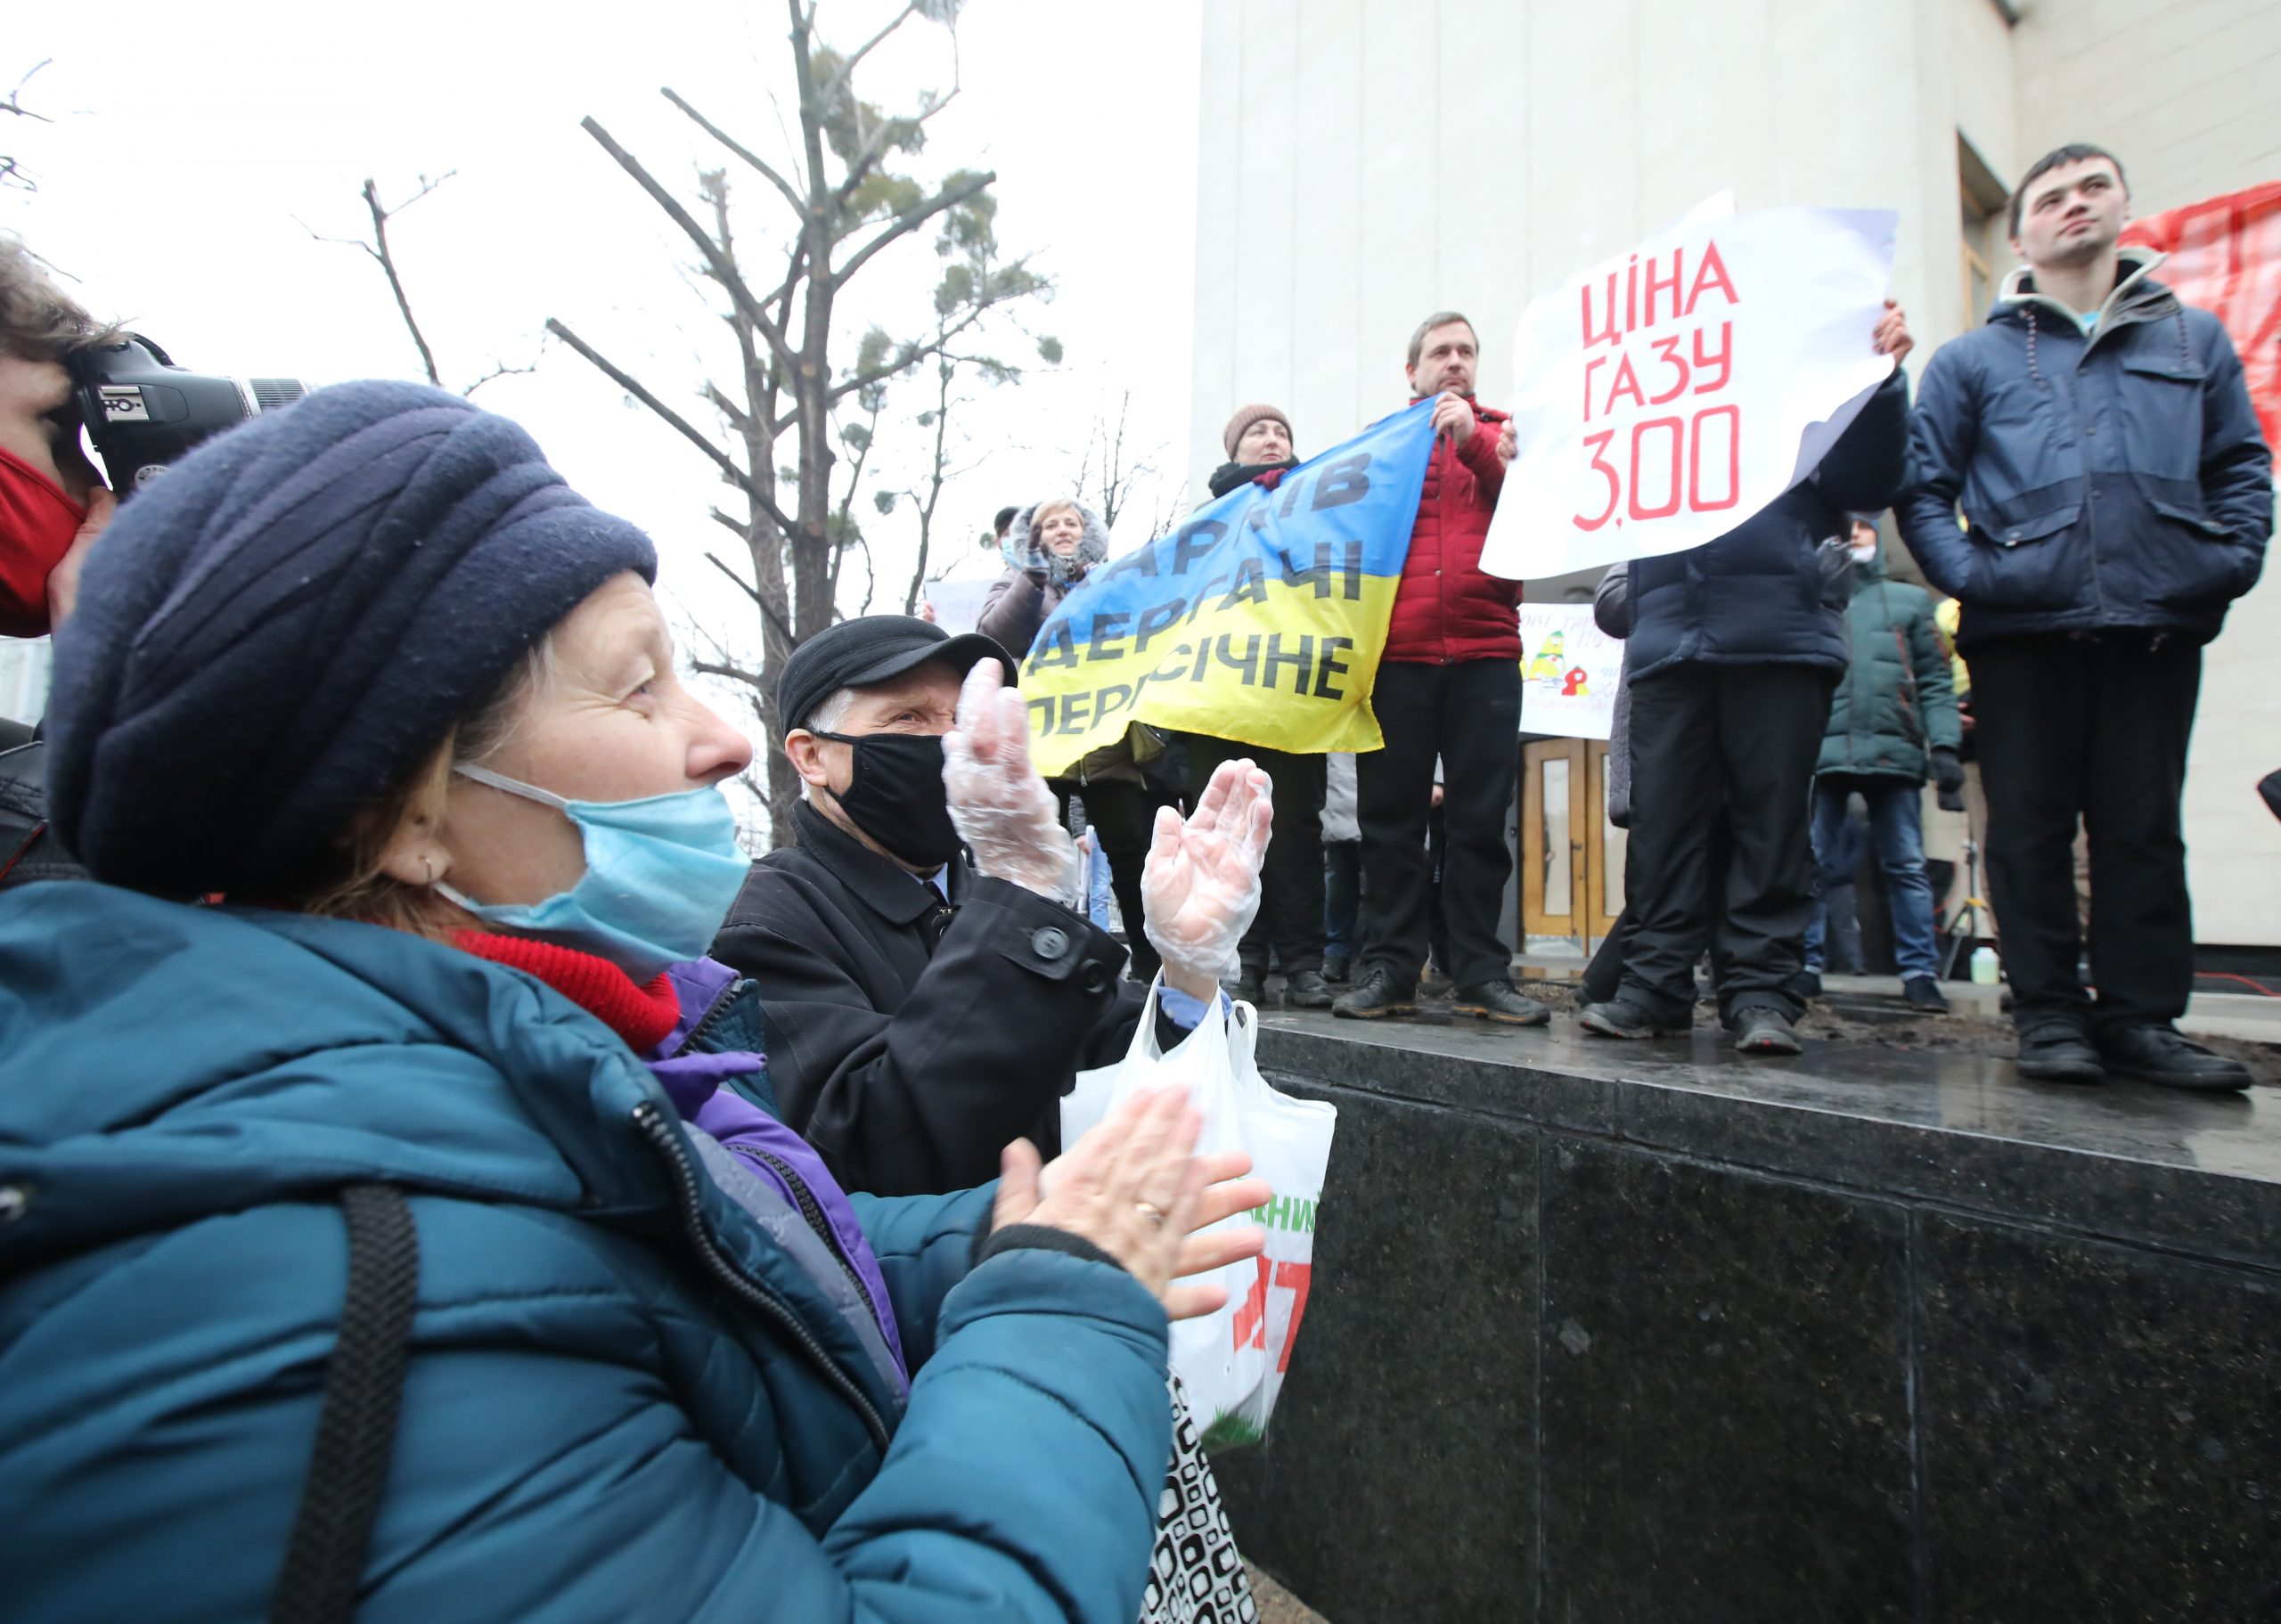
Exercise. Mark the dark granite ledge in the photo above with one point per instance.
(2195, 1174)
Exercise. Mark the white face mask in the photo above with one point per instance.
(1862, 555)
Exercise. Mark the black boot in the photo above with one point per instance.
(1377, 996)
(2157, 1054)
(1623, 1017)
(1251, 985)
(1499, 1000)
(2059, 1053)
(1333, 969)
(1760, 1029)
(1306, 989)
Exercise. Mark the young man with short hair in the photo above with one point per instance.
(2100, 441)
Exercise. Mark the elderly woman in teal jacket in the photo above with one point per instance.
(376, 1234)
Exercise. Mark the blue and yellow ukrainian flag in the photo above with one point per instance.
(1260, 620)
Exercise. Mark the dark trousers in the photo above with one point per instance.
(1290, 876)
(1122, 814)
(1469, 715)
(1342, 899)
(2093, 728)
(1707, 739)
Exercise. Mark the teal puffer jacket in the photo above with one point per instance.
(1896, 701)
(593, 1428)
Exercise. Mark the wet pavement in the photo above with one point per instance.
(1978, 1095)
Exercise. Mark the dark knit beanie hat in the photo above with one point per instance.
(276, 633)
(1245, 418)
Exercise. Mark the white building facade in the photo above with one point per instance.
(1365, 162)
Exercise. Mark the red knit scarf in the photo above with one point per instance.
(641, 1016)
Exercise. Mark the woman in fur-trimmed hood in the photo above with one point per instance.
(1054, 545)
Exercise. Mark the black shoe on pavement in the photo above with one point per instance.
(1923, 994)
(1251, 986)
(1499, 1000)
(1806, 983)
(1377, 996)
(2059, 1054)
(1334, 970)
(2157, 1054)
(1763, 1030)
(1620, 1017)
(1306, 989)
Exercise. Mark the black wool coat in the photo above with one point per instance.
(911, 1038)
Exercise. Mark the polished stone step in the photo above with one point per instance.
(1617, 1331)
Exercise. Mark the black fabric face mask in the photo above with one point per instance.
(895, 794)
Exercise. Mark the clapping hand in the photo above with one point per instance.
(1000, 807)
(1199, 888)
(1131, 1188)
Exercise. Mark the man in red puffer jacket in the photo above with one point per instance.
(1449, 687)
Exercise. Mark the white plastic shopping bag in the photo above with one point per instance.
(1233, 1361)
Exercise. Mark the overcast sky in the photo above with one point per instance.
(195, 149)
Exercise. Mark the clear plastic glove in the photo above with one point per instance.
(1000, 807)
(1200, 889)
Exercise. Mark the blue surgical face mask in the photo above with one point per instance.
(661, 874)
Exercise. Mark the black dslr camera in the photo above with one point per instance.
(143, 411)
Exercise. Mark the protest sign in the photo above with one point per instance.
(1259, 620)
(1569, 670)
(958, 604)
(1670, 393)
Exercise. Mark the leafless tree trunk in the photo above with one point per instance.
(843, 207)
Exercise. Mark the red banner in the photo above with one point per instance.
(2224, 256)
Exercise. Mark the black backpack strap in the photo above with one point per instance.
(364, 1389)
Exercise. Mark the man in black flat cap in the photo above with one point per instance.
(922, 1008)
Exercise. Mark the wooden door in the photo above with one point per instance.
(1557, 812)
(1603, 853)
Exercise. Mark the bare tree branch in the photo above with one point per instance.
(792, 194)
(912, 219)
(723, 271)
(396, 282)
(847, 73)
(500, 370)
(739, 417)
(875, 141)
(905, 359)
(748, 484)
(15, 101)
(743, 585)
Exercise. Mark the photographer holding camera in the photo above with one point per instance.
(60, 370)
(53, 505)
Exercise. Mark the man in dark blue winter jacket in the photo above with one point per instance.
(1734, 649)
(2116, 497)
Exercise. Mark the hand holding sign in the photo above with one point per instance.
(1892, 336)
(1000, 807)
(1453, 417)
(1672, 392)
(1200, 889)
